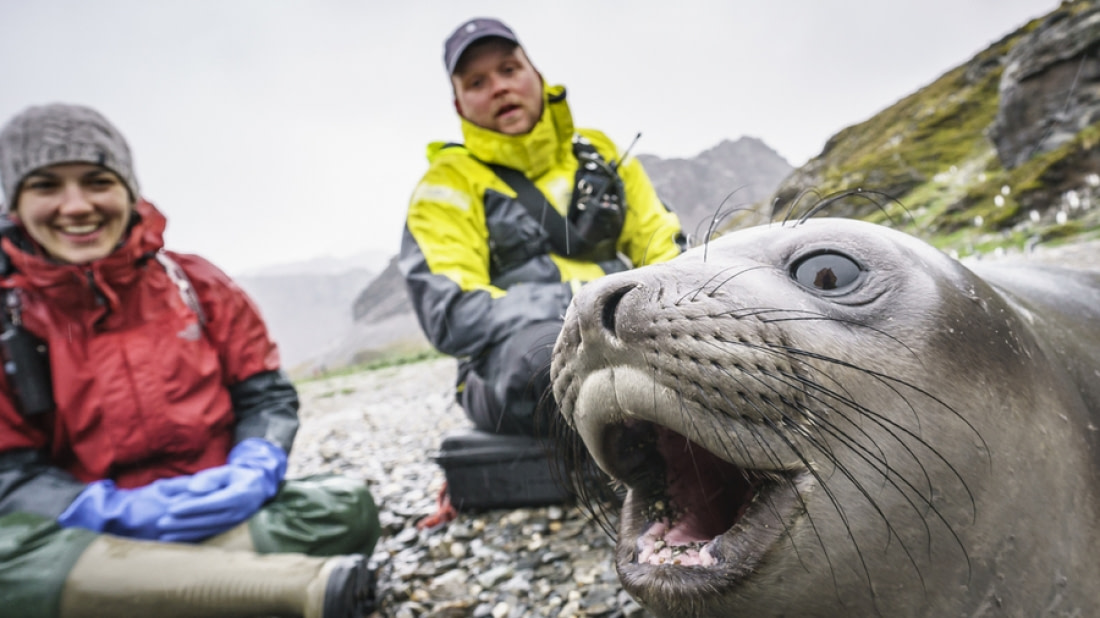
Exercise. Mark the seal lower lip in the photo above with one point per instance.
(698, 509)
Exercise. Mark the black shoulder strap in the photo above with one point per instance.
(566, 240)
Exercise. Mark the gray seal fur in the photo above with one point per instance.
(833, 418)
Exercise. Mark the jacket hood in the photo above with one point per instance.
(533, 152)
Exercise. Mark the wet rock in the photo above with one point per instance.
(1050, 87)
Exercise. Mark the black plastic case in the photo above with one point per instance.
(489, 471)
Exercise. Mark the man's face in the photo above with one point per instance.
(497, 88)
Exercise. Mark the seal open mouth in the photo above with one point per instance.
(688, 507)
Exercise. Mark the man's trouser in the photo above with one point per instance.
(509, 391)
(264, 558)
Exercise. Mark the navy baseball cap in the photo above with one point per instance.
(469, 33)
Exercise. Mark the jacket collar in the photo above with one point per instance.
(118, 269)
(533, 152)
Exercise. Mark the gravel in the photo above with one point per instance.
(384, 426)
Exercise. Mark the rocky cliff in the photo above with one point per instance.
(999, 151)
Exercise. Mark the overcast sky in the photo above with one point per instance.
(274, 131)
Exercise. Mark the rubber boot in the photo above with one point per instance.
(238, 538)
(123, 577)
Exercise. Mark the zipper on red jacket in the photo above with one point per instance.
(100, 299)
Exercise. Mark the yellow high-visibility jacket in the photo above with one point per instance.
(477, 266)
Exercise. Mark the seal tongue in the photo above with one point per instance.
(706, 495)
(696, 489)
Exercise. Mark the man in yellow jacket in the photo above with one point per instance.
(503, 229)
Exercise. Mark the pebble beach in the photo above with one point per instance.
(384, 426)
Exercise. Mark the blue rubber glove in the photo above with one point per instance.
(131, 513)
(222, 497)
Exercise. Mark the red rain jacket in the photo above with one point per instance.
(141, 386)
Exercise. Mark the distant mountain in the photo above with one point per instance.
(370, 261)
(306, 312)
(732, 175)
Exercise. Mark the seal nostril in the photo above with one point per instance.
(611, 304)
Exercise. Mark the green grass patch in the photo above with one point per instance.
(383, 360)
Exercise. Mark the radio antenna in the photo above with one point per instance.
(626, 153)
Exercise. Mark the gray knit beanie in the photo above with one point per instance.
(59, 133)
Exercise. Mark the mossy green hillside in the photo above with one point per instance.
(931, 154)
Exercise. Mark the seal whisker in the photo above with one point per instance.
(889, 474)
(839, 509)
(821, 447)
(730, 278)
(752, 428)
(808, 386)
(823, 423)
(889, 425)
(804, 315)
(865, 194)
(878, 461)
(795, 202)
(695, 291)
(812, 470)
(808, 315)
(847, 401)
(889, 382)
(721, 215)
(885, 379)
(879, 458)
(711, 230)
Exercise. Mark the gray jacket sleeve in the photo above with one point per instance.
(29, 484)
(465, 323)
(266, 406)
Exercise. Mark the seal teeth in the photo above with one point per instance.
(652, 548)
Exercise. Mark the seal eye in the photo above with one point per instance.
(826, 272)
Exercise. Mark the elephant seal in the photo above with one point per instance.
(833, 418)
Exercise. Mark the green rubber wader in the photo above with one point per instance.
(48, 572)
(323, 515)
(51, 572)
(36, 556)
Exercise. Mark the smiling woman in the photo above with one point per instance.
(144, 417)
